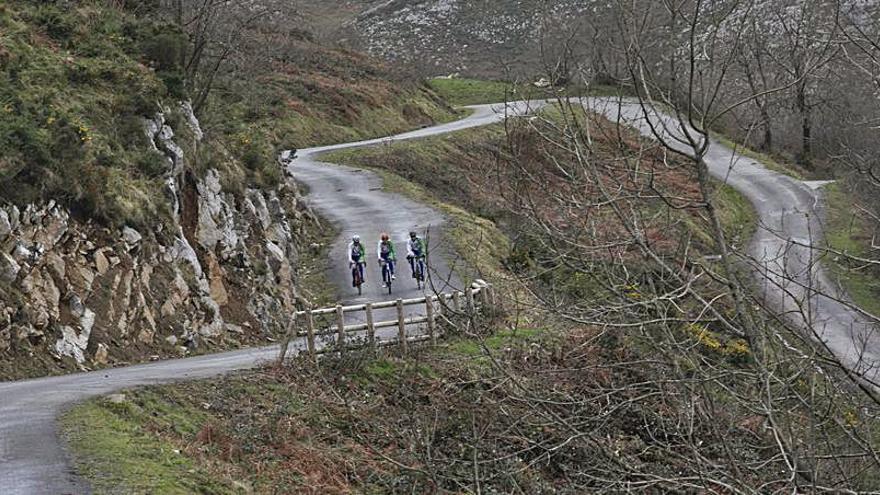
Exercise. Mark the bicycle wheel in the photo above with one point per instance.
(386, 276)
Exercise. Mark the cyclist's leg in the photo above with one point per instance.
(412, 265)
(360, 266)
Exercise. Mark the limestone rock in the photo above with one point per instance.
(5, 226)
(9, 268)
(130, 236)
(102, 264)
(215, 278)
(101, 355)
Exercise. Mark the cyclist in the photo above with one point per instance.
(415, 248)
(357, 255)
(385, 252)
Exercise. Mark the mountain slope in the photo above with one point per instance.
(494, 38)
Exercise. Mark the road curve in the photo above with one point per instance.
(786, 248)
(32, 457)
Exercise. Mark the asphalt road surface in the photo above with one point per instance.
(33, 460)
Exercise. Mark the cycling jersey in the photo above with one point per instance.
(385, 250)
(356, 252)
(415, 247)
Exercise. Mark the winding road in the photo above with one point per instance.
(788, 268)
(33, 459)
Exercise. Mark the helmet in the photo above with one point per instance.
(384, 236)
(412, 233)
(356, 238)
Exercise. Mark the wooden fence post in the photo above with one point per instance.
(429, 309)
(469, 293)
(401, 325)
(456, 301)
(288, 336)
(371, 330)
(310, 335)
(340, 327)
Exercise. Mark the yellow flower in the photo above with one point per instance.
(851, 418)
(50, 120)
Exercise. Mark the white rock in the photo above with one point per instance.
(102, 354)
(131, 236)
(101, 263)
(9, 268)
(5, 225)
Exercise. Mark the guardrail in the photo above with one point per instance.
(478, 297)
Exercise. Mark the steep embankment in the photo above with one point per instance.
(132, 226)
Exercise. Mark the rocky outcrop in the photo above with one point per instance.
(91, 296)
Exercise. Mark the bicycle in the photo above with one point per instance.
(386, 274)
(357, 276)
(417, 263)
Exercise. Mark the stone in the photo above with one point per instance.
(101, 355)
(72, 344)
(171, 339)
(56, 265)
(9, 268)
(215, 281)
(5, 225)
(116, 398)
(130, 236)
(21, 253)
(276, 256)
(229, 327)
(146, 335)
(216, 224)
(167, 308)
(101, 263)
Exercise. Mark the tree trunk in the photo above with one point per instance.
(767, 145)
(806, 128)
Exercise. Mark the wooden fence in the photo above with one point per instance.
(331, 321)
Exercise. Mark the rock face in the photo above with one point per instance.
(91, 296)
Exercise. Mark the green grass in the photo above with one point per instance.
(497, 341)
(737, 215)
(118, 453)
(848, 232)
(458, 91)
(769, 162)
(475, 91)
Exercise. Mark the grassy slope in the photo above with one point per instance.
(848, 231)
(463, 91)
(72, 84)
(76, 83)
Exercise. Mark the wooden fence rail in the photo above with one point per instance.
(478, 296)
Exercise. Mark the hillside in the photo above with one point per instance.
(133, 225)
(602, 374)
(499, 39)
